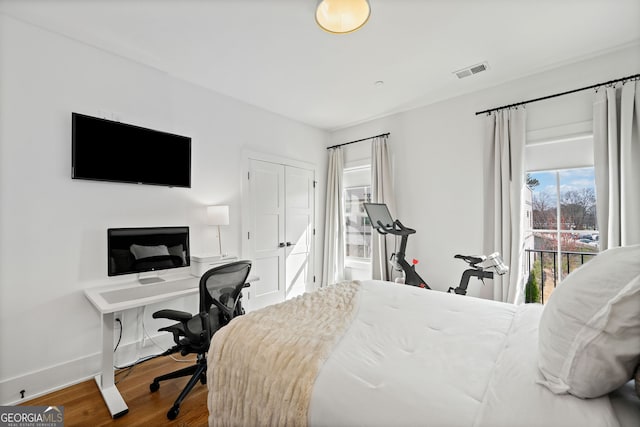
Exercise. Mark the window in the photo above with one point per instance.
(357, 226)
(560, 226)
(357, 190)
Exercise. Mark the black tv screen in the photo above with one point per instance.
(105, 150)
(137, 250)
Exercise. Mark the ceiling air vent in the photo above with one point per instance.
(474, 69)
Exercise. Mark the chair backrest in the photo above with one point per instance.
(222, 286)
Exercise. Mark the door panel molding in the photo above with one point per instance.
(295, 271)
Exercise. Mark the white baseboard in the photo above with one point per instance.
(56, 377)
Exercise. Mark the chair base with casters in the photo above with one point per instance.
(220, 301)
(197, 372)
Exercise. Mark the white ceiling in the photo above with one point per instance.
(271, 54)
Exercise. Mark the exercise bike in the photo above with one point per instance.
(493, 262)
(383, 223)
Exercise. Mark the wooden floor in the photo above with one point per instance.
(84, 406)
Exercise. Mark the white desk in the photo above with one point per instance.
(110, 299)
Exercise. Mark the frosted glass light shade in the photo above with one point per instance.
(342, 16)
(218, 215)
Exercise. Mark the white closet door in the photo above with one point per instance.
(299, 230)
(280, 234)
(266, 234)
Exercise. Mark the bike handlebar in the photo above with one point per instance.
(396, 229)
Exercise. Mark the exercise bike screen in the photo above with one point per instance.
(378, 212)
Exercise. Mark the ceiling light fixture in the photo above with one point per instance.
(342, 16)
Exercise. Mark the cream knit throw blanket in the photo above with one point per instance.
(262, 366)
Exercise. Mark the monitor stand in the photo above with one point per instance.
(147, 280)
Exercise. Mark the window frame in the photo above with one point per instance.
(558, 231)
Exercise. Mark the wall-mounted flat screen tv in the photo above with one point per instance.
(105, 150)
(138, 250)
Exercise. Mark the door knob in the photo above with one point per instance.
(289, 244)
(281, 245)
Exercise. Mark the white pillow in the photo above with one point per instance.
(140, 251)
(589, 335)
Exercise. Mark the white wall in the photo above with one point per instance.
(53, 228)
(438, 156)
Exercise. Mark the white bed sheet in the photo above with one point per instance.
(416, 357)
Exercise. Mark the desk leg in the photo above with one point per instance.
(105, 381)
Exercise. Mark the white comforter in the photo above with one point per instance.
(413, 357)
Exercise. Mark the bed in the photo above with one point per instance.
(375, 353)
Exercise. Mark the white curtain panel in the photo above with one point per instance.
(504, 181)
(381, 192)
(333, 260)
(616, 141)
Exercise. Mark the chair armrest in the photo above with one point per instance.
(177, 315)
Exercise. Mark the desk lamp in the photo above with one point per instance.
(218, 215)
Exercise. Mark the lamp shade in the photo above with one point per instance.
(218, 215)
(342, 16)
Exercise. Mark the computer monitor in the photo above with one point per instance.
(378, 212)
(144, 249)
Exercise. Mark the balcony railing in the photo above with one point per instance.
(551, 270)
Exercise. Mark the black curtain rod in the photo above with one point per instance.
(359, 140)
(610, 82)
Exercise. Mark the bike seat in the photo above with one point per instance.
(470, 259)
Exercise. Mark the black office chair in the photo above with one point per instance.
(220, 301)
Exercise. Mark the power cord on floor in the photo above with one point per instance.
(127, 369)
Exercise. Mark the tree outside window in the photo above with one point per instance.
(563, 232)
